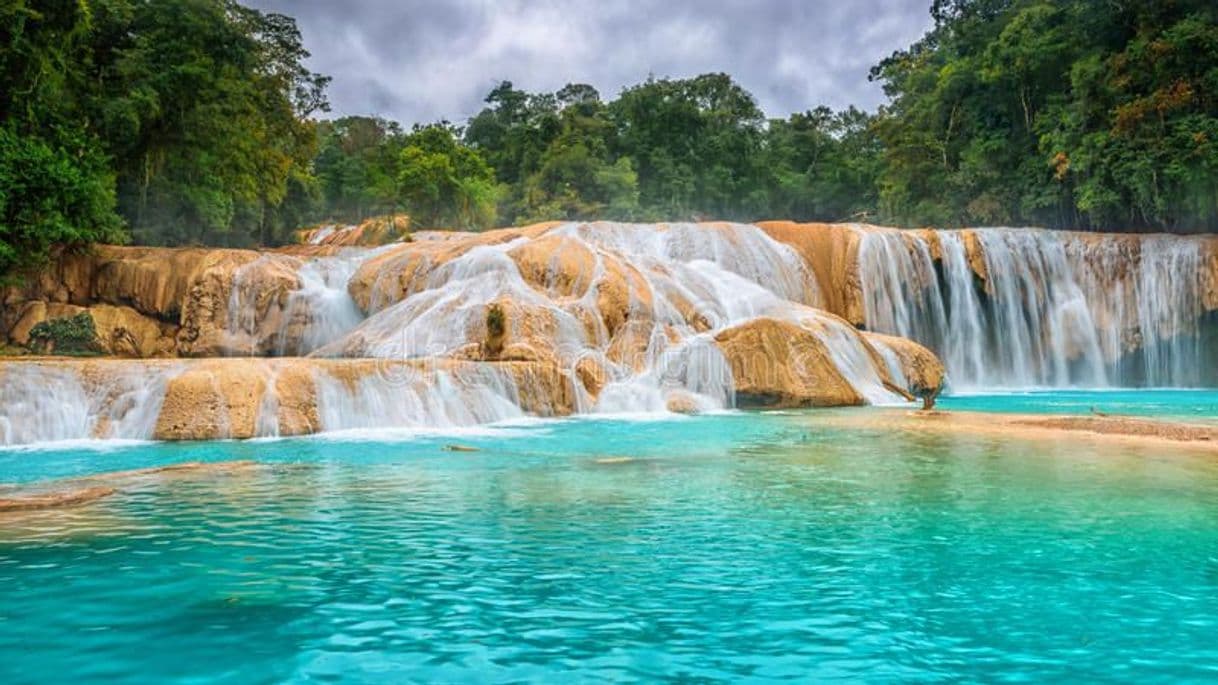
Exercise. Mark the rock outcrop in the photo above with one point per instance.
(779, 363)
(163, 302)
(244, 398)
(374, 232)
(121, 331)
(911, 367)
(209, 399)
(831, 250)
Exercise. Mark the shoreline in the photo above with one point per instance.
(1136, 430)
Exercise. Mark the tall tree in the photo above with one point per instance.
(577, 177)
(1066, 113)
(204, 104)
(55, 185)
(357, 167)
(445, 183)
(697, 145)
(824, 165)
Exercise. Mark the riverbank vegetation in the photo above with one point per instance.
(196, 122)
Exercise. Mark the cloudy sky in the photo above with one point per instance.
(422, 60)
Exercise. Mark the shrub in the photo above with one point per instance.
(496, 321)
(69, 335)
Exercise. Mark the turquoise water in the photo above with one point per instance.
(1183, 404)
(741, 547)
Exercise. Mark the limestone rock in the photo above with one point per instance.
(374, 232)
(911, 366)
(831, 250)
(122, 331)
(236, 303)
(777, 363)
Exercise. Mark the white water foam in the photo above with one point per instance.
(1059, 309)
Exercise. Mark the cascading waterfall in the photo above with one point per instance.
(1057, 309)
(626, 318)
(729, 274)
(318, 237)
(43, 403)
(1171, 272)
(419, 399)
(322, 307)
(318, 310)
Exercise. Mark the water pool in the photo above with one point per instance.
(734, 547)
(1189, 404)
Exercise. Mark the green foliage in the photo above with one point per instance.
(191, 121)
(1072, 113)
(186, 119)
(697, 144)
(69, 335)
(444, 183)
(55, 184)
(50, 196)
(356, 167)
(203, 104)
(824, 165)
(665, 149)
(496, 321)
(577, 176)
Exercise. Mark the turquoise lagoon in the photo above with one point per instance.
(737, 547)
(1183, 404)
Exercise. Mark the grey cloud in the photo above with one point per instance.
(422, 60)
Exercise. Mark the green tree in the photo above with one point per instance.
(204, 106)
(1070, 113)
(824, 165)
(697, 144)
(444, 183)
(356, 167)
(512, 133)
(577, 177)
(55, 185)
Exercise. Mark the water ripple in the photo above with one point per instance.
(728, 549)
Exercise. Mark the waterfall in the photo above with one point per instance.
(113, 400)
(1054, 309)
(317, 310)
(319, 236)
(321, 307)
(1168, 306)
(417, 398)
(901, 292)
(626, 318)
(686, 283)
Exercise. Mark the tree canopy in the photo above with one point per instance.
(189, 121)
(1065, 113)
(195, 122)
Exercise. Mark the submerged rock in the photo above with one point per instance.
(23, 501)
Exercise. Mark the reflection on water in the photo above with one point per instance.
(716, 548)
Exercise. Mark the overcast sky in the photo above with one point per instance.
(422, 60)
